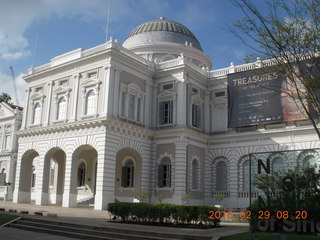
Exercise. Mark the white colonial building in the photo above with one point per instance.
(103, 123)
(10, 123)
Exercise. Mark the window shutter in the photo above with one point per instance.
(198, 116)
(169, 176)
(124, 177)
(160, 176)
(170, 111)
(132, 176)
(161, 116)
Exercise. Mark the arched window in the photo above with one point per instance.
(81, 174)
(221, 176)
(91, 103)
(277, 165)
(127, 177)
(309, 162)
(2, 177)
(33, 177)
(164, 173)
(246, 175)
(62, 108)
(36, 114)
(195, 174)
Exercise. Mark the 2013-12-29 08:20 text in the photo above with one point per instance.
(261, 214)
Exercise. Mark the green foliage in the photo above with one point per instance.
(5, 97)
(292, 191)
(141, 195)
(159, 198)
(154, 213)
(186, 198)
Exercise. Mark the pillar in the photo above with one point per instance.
(105, 179)
(180, 172)
(69, 194)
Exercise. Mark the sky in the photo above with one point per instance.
(64, 25)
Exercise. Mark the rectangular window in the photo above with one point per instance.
(196, 115)
(219, 94)
(164, 175)
(131, 109)
(168, 86)
(38, 89)
(92, 75)
(63, 82)
(51, 177)
(123, 104)
(195, 91)
(139, 110)
(7, 142)
(166, 112)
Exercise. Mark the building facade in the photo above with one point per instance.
(102, 124)
(10, 123)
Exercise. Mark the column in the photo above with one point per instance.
(116, 93)
(75, 97)
(69, 198)
(148, 104)
(181, 108)
(108, 91)
(206, 112)
(49, 107)
(42, 181)
(105, 177)
(180, 172)
(26, 110)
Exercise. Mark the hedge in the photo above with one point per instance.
(162, 213)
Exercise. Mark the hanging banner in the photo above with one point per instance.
(259, 97)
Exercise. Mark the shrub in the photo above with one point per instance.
(162, 213)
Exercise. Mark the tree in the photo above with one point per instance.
(288, 33)
(5, 97)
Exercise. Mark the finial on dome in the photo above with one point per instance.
(162, 18)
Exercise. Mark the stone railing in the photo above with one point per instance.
(95, 50)
(246, 194)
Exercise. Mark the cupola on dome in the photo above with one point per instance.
(161, 31)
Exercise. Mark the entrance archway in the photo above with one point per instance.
(28, 160)
(83, 183)
(55, 173)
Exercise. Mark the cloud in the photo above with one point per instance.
(18, 15)
(7, 87)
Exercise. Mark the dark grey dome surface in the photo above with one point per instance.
(162, 30)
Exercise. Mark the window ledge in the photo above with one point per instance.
(59, 121)
(128, 189)
(169, 189)
(166, 125)
(90, 116)
(196, 128)
(195, 190)
(82, 188)
(35, 125)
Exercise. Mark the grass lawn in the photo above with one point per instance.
(268, 236)
(4, 218)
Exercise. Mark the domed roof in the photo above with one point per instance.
(161, 30)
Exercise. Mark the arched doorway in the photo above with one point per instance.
(128, 175)
(84, 169)
(26, 175)
(55, 174)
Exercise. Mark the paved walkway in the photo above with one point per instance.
(88, 216)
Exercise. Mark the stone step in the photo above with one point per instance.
(60, 233)
(67, 229)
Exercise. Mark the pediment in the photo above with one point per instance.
(90, 82)
(6, 111)
(167, 94)
(36, 95)
(61, 89)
